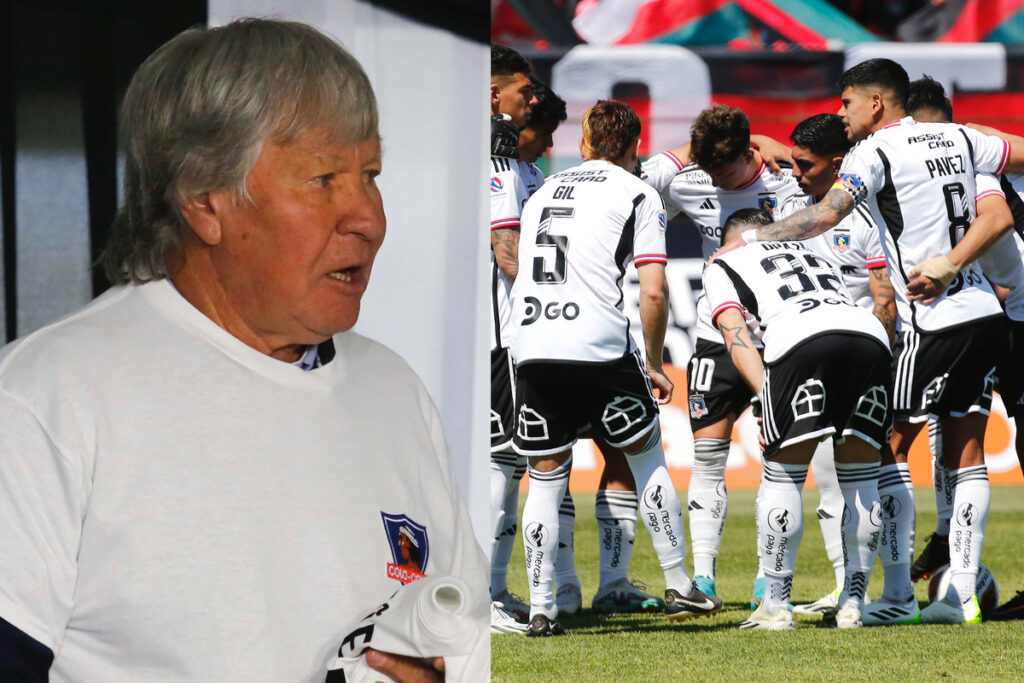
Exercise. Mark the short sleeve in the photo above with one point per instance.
(649, 239)
(862, 173)
(507, 196)
(987, 185)
(720, 291)
(991, 154)
(867, 240)
(660, 170)
(42, 504)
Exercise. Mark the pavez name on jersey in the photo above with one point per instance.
(919, 181)
(578, 233)
(510, 183)
(792, 292)
(688, 189)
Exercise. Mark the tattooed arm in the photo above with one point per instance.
(740, 346)
(885, 300)
(812, 221)
(505, 242)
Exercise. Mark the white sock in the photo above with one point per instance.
(616, 529)
(659, 511)
(540, 535)
(503, 467)
(861, 528)
(757, 526)
(780, 529)
(507, 539)
(967, 527)
(707, 503)
(830, 506)
(896, 544)
(941, 479)
(565, 560)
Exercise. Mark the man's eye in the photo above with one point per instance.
(371, 175)
(323, 180)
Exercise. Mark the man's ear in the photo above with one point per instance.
(200, 212)
(748, 156)
(495, 98)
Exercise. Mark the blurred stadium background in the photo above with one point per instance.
(779, 61)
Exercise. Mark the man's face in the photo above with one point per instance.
(814, 173)
(733, 174)
(515, 97)
(534, 141)
(858, 112)
(295, 260)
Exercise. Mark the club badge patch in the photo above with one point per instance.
(767, 203)
(409, 548)
(841, 241)
(698, 406)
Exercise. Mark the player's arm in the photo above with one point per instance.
(654, 303)
(771, 150)
(930, 278)
(885, 299)
(740, 345)
(1015, 163)
(505, 243)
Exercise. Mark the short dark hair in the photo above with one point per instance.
(720, 135)
(745, 219)
(928, 93)
(550, 108)
(505, 61)
(609, 128)
(880, 73)
(823, 134)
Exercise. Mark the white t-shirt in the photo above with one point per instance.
(578, 233)
(689, 190)
(852, 246)
(511, 183)
(792, 292)
(176, 506)
(920, 178)
(1003, 263)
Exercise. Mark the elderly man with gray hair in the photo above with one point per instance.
(202, 476)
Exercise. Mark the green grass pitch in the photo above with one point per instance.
(649, 648)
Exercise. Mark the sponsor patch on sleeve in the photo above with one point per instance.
(853, 185)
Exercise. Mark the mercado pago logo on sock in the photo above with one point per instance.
(410, 548)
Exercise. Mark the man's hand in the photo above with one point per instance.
(404, 669)
(662, 384)
(504, 137)
(772, 152)
(930, 278)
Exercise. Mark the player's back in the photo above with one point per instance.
(578, 233)
(793, 292)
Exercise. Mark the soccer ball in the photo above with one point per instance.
(986, 587)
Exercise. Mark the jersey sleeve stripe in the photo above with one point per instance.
(505, 223)
(1005, 159)
(675, 160)
(650, 258)
(876, 262)
(722, 307)
(989, 193)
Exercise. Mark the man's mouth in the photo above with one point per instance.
(344, 275)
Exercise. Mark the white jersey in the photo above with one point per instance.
(1003, 263)
(853, 247)
(511, 184)
(920, 178)
(176, 506)
(688, 189)
(793, 293)
(579, 231)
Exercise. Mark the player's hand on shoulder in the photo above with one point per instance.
(662, 384)
(772, 152)
(405, 669)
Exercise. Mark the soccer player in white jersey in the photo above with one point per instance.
(853, 247)
(919, 182)
(576, 360)
(510, 182)
(727, 174)
(811, 329)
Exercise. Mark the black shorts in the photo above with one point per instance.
(555, 400)
(714, 388)
(1010, 370)
(946, 374)
(502, 399)
(835, 384)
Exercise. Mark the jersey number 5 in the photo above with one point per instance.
(542, 275)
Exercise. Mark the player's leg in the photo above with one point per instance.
(504, 543)
(616, 511)
(568, 596)
(936, 549)
(830, 514)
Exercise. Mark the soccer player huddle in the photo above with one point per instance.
(860, 286)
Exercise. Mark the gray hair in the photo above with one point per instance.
(199, 110)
